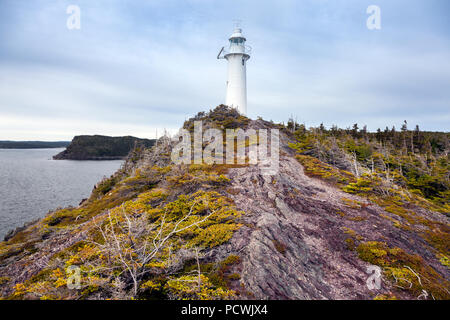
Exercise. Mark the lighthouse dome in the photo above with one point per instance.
(237, 33)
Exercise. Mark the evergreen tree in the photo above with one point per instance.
(355, 130)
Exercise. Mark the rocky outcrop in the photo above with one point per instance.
(296, 247)
(300, 237)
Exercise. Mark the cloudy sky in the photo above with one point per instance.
(135, 67)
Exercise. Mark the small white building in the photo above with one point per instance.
(237, 55)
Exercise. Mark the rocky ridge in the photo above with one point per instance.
(298, 237)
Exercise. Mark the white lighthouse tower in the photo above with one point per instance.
(237, 55)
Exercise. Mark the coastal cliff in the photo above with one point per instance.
(342, 202)
(101, 147)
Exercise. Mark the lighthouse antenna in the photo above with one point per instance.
(237, 23)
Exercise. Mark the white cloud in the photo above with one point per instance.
(135, 67)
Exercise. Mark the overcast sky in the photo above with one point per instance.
(137, 66)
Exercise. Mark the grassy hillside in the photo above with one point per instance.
(410, 159)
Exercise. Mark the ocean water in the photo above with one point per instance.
(31, 183)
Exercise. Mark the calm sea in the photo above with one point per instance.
(31, 183)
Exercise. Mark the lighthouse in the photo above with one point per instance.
(237, 55)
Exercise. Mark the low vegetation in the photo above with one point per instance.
(141, 229)
(407, 272)
(398, 171)
(155, 230)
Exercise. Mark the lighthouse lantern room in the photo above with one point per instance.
(237, 55)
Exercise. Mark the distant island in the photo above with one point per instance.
(32, 144)
(101, 147)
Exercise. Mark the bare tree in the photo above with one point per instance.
(355, 164)
(131, 242)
